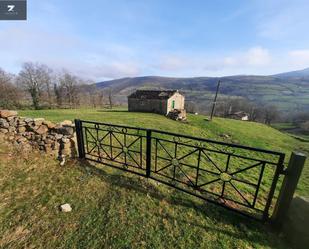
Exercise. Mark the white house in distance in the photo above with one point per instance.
(241, 115)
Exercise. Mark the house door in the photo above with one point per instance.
(173, 104)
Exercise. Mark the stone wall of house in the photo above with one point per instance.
(148, 105)
(58, 140)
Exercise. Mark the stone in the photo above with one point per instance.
(3, 130)
(4, 123)
(41, 143)
(42, 129)
(7, 113)
(38, 121)
(66, 130)
(28, 120)
(36, 137)
(225, 135)
(58, 136)
(48, 141)
(11, 137)
(66, 123)
(2, 136)
(66, 208)
(27, 135)
(10, 118)
(49, 124)
(21, 123)
(11, 129)
(62, 160)
(65, 140)
(21, 129)
(22, 140)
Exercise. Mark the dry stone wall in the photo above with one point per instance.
(58, 140)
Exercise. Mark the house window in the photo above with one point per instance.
(173, 104)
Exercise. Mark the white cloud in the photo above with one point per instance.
(253, 57)
(173, 62)
(299, 57)
(230, 61)
(257, 56)
(89, 59)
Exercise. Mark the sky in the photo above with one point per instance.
(108, 39)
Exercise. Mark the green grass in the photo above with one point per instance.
(245, 133)
(113, 209)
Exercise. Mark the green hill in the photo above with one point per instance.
(112, 209)
(289, 91)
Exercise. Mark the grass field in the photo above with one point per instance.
(112, 209)
(292, 129)
(245, 133)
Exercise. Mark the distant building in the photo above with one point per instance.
(157, 101)
(241, 115)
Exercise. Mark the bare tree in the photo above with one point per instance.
(190, 107)
(101, 98)
(34, 78)
(58, 91)
(256, 113)
(47, 74)
(271, 113)
(110, 98)
(69, 84)
(9, 93)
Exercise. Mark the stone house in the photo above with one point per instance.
(157, 101)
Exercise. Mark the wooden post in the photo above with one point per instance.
(288, 188)
(215, 101)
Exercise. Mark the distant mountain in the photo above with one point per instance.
(294, 74)
(289, 91)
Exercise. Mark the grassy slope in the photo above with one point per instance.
(110, 210)
(246, 133)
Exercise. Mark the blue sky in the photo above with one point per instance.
(125, 38)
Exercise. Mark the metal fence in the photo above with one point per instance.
(236, 177)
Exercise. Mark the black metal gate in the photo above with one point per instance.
(236, 177)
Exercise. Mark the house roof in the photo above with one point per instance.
(239, 114)
(152, 94)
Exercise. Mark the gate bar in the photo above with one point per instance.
(148, 153)
(80, 138)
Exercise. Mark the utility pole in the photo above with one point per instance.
(215, 101)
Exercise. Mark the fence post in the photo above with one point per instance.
(148, 153)
(79, 137)
(288, 188)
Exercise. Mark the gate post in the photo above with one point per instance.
(288, 188)
(148, 153)
(80, 139)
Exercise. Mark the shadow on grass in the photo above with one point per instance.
(248, 228)
(112, 110)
